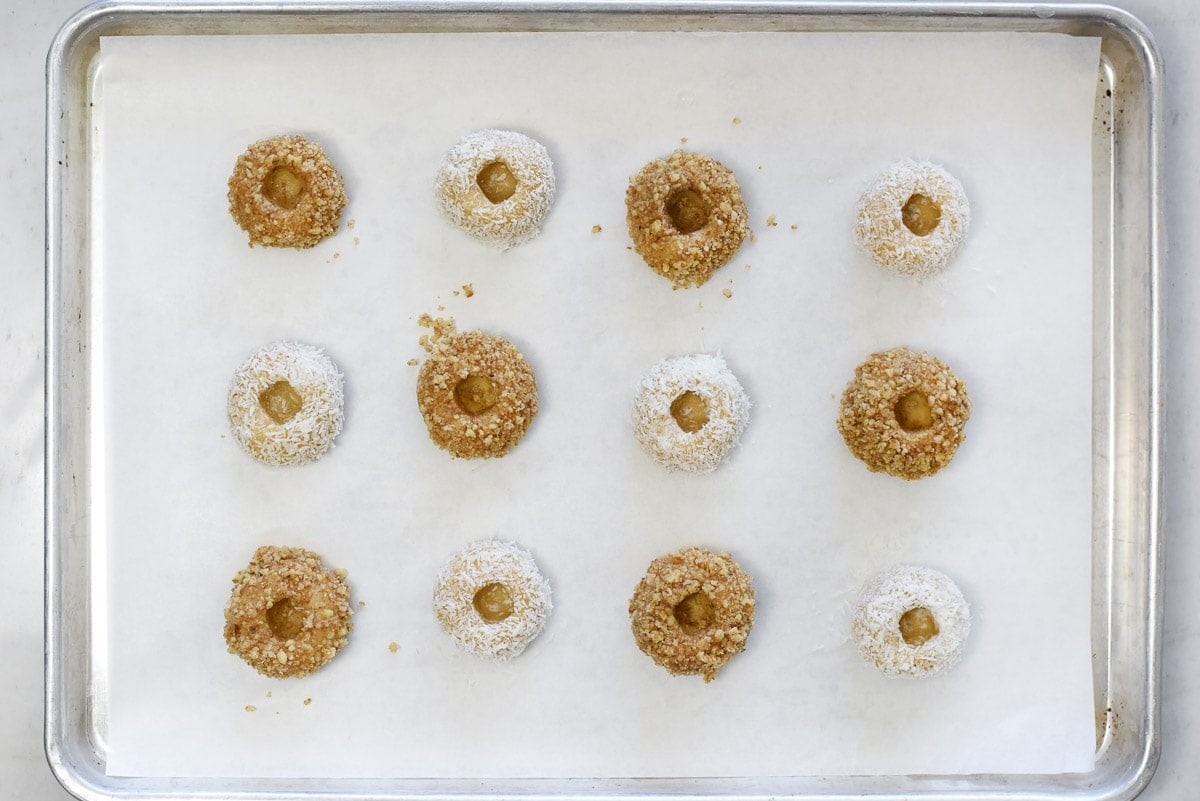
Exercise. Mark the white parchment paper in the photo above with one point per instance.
(805, 121)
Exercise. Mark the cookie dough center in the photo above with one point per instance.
(476, 393)
(690, 412)
(493, 602)
(497, 182)
(687, 210)
(921, 214)
(913, 412)
(285, 620)
(284, 187)
(695, 613)
(918, 626)
(280, 401)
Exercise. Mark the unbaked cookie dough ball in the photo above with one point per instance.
(491, 599)
(913, 218)
(497, 186)
(689, 412)
(288, 614)
(284, 192)
(911, 621)
(904, 413)
(692, 611)
(476, 391)
(686, 216)
(285, 405)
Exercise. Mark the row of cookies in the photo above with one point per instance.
(904, 412)
(685, 213)
(288, 615)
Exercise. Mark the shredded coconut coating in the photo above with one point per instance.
(455, 356)
(474, 567)
(660, 435)
(312, 431)
(686, 259)
(319, 211)
(318, 595)
(668, 581)
(868, 420)
(876, 624)
(879, 227)
(514, 220)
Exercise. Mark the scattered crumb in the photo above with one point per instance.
(356, 241)
(393, 647)
(268, 693)
(251, 708)
(456, 293)
(700, 305)
(737, 120)
(683, 140)
(747, 267)
(361, 604)
(350, 225)
(596, 229)
(469, 290)
(753, 238)
(795, 227)
(337, 256)
(727, 293)
(629, 247)
(772, 222)
(413, 362)
(441, 308)
(307, 701)
(759, 168)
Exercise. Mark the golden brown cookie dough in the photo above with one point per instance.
(284, 192)
(476, 391)
(288, 615)
(904, 413)
(686, 216)
(692, 611)
(913, 218)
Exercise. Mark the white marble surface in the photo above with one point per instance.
(26, 30)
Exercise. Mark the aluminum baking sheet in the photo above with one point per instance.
(111, 547)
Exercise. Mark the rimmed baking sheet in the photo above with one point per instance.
(806, 519)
